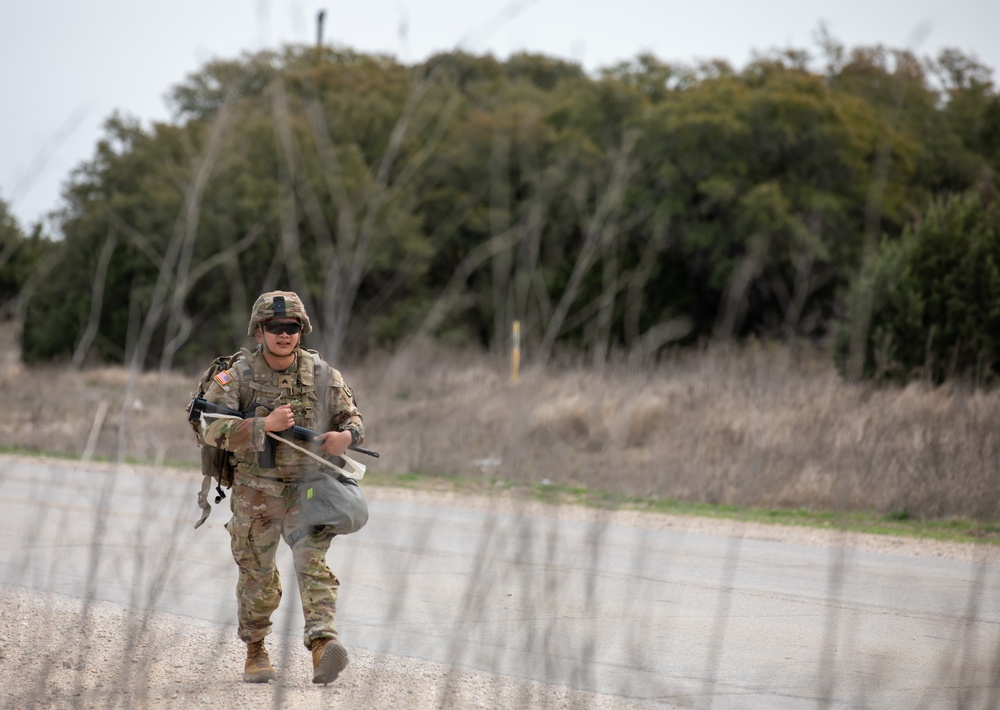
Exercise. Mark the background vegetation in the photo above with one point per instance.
(651, 205)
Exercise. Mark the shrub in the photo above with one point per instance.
(934, 297)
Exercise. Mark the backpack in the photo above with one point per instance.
(216, 464)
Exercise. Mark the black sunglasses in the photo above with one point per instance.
(289, 328)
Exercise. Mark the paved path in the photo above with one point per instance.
(668, 616)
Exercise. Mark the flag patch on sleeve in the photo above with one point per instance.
(223, 378)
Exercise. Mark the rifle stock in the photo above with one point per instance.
(201, 406)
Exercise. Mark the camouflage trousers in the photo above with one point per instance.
(258, 524)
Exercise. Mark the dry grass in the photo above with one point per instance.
(758, 425)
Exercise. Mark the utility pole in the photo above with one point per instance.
(319, 29)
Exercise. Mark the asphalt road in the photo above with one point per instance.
(667, 616)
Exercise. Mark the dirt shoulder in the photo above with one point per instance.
(112, 656)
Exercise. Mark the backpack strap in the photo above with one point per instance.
(323, 377)
(241, 360)
(322, 372)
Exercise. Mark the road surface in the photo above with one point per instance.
(658, 614)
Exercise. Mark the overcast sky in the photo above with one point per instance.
(67, 65)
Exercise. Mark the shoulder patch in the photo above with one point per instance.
(223, 378)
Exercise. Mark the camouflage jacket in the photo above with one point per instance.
(251, 381)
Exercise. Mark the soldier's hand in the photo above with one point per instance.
(279, 419)
(334, 442)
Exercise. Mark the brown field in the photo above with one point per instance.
(755, 425)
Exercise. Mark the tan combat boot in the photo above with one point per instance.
(258, 668)
(329, 659)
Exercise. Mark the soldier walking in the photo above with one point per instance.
(296, 387)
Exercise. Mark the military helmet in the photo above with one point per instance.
(278, 304)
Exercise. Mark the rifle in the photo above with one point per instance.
(201, 406)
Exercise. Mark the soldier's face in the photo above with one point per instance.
(281, 335)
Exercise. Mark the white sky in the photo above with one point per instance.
(66, 65)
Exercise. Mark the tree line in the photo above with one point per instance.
(649, 206)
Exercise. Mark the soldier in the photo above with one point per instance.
(297, 387)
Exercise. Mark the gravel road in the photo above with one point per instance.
(116, 657)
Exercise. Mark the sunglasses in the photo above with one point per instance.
(290, 328)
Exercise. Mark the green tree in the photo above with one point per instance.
(12, 241)
(971, 109)
(763, 176)
(24, 262)
(935, 311)
(301, 183)
(652, 203)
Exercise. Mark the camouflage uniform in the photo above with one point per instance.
(265, 502)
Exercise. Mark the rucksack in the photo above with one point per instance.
(216, 464)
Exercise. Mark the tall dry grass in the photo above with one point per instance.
(757, 425)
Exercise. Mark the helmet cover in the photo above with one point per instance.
(278, 304)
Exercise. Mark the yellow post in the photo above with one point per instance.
(515, 360)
